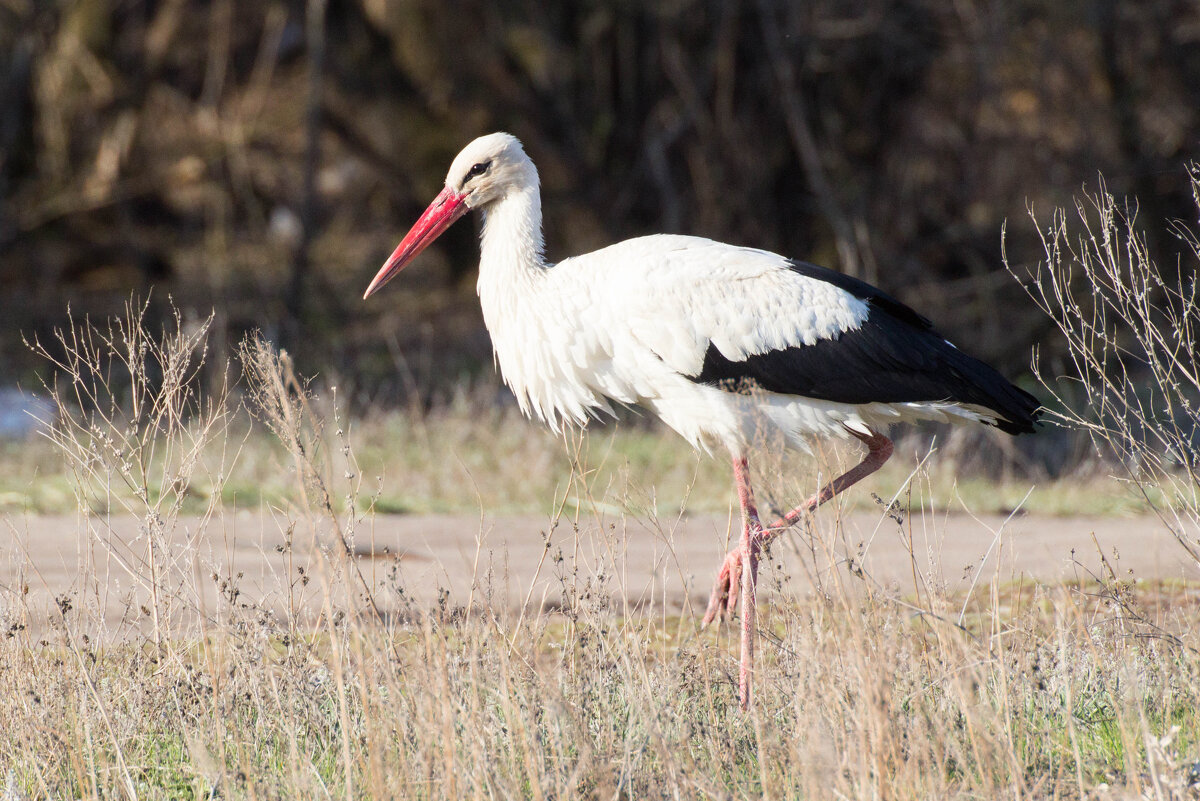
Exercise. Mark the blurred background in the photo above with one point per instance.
(260, 160)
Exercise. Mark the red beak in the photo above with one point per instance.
(447, 207)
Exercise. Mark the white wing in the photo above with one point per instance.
(674, 295)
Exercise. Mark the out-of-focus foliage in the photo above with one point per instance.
(166, 144)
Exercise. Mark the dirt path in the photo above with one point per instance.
(99, 565)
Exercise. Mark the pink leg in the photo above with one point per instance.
(724, 597)
(752, 538)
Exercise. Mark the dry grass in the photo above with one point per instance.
(1039, 692)
(1089, 689)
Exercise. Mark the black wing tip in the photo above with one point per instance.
(1022, 417)
(1017, 427)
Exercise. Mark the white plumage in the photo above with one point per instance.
(632, 321)
(717, 340)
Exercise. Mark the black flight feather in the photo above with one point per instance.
(895, 356)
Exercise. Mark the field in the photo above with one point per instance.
(930, 656)
(221, 584)
(234, 616)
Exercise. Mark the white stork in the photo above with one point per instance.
(717, 340)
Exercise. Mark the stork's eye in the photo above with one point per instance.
(477, 169)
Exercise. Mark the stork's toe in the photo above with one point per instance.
(723, 601)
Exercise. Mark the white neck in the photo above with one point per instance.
(526, 325)
(511, 246)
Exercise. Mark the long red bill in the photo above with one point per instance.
(447, 207)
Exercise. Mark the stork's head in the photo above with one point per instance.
(484, 172)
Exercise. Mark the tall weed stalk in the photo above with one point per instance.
(1131, 374)
(134, 429)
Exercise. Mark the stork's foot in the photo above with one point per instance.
(726, 589)
(736, 583)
